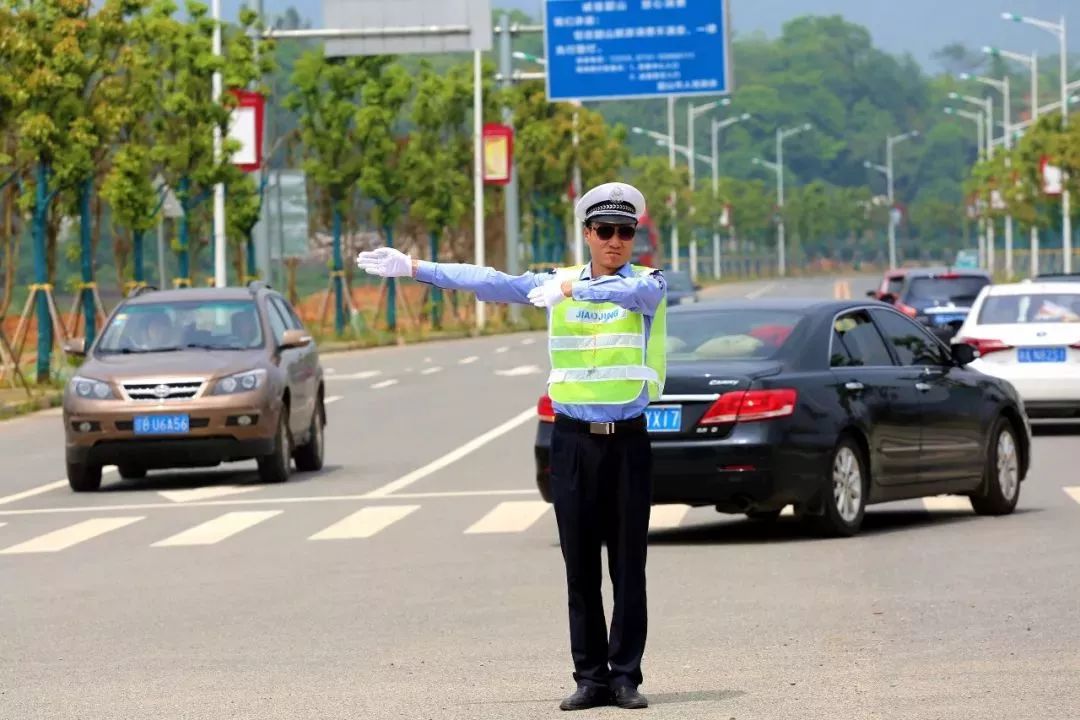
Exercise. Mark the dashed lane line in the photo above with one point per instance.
(218, 529)
(755, 294)
(365, 523)
(384, 384)
(72, 535)
(501, 349)
(508, 517)
(333, 399)
(946, 503)
(468, 360)
(431, 370)
(1073, 492)
(663, 517)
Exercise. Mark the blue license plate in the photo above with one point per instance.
(1041, 355)
(162, 424)
(946, 319)
(664, 418)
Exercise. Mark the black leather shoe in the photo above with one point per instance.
(629, 698)
(586, 696)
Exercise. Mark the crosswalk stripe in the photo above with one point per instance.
(71, 535)
(365, 523)
(218, 529)
(510, 516)
(946, 502)
(662, 517)
(1073, 492)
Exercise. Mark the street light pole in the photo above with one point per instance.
(717, 126)
(671, 197)
(781, 242)
(1002, 86)
(987, 108)
(220, 277)
(977, 118)
(891, 142)
(1059, 30)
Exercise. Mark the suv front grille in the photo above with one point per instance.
(158, 391)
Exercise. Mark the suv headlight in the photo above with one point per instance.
(91, 389)
(240, 382)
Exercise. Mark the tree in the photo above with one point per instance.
(326, 97)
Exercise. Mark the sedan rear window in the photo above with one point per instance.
(1030, 308)
(735, 334)
(946, 289)
(170, 326)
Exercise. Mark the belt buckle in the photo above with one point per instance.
(602, 428)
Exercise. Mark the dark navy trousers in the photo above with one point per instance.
(602, 493)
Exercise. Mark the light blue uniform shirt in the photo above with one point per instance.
(636, 293)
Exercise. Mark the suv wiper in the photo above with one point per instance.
(206, 346)
(140, 351)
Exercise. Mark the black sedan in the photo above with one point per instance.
(828, 406)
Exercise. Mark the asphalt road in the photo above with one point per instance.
(419, 576)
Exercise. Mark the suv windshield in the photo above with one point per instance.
(167, 326)
(1033, 308)
(735, 334)
(945, 289)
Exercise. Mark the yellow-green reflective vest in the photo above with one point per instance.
(599, 352)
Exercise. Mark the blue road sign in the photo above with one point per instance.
(619, 49)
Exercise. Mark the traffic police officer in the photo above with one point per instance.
(607, 328)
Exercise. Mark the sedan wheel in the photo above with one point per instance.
(846, 487)
(1000, 489)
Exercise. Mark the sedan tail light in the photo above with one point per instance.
(750, 406)
(545, 409)
(985, 346)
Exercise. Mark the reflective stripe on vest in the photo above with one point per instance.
(623, 372)
(593, 342)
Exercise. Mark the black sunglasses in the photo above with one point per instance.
(606, 232)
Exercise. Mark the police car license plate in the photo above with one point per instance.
(664, 418)
(161, 424)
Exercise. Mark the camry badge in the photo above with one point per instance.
(723, 382)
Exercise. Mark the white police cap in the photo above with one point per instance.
(615, 203)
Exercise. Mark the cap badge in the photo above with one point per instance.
(616, 194)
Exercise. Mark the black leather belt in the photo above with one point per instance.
(637, 424)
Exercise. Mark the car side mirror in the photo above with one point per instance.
(697, 286)
(294, 339)
(871, 293)
(963, 354)
(75, 346)
(887, 298)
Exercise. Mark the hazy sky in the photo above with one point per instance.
(916, 26)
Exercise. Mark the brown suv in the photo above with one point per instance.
(193, 378)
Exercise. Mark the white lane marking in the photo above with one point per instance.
(431, 370)
(468, 360)
(333, 399)
(331, 371)
(510, 516)
(266, 501)
(788, 511)
(206, 493)
(71, 535)
(40, 489)
(1073, 492)
(754, 294)
(362, 375)
(528, 341)
(454, 455)
(946, 503)
(384, 384)
(365, 523)
(218, 529)
(502, 349)
(667, 516)
(519, 370)
(2, 524)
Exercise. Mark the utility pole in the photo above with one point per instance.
(220, 278)
(512, 213)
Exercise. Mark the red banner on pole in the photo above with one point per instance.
(246, 126)
(498, 153)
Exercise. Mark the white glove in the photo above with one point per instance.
(385, 262)
(547, 295)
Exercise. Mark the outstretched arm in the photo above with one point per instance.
(489, 284)
(638, 293)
